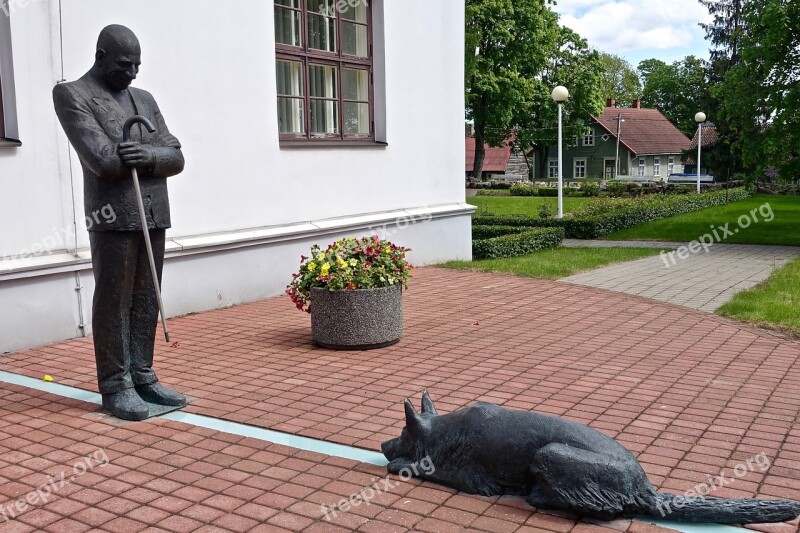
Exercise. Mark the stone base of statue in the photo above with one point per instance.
(361, 319)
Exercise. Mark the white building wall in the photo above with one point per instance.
(244, 209)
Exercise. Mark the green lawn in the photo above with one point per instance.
(555, 263)
(772, 303)
(784, 228)
(523, 205)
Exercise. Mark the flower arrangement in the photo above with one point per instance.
(349, 264)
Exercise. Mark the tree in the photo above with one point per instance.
(726, 29)
(575, 66)
(725, 33)
(619, 80)
(764, 88)
(678, 90)
(508, 43)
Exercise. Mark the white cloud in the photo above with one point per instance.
(638, 28)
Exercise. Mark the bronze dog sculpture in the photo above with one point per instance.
(554, 464)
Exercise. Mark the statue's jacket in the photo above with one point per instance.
(93, 120)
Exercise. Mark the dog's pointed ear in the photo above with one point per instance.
(427, 405)
(414, 422)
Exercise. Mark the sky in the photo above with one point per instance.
(639, 29)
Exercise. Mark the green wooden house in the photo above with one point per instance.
(633, 141)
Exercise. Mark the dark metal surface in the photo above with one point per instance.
(93, 111)
(553, 463)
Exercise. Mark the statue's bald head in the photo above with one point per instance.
(118, 38)
(117, 58)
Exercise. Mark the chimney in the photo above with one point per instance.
(611, 103)
(637, 104)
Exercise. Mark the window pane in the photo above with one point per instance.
(356, 119)
(287, 26)
(354, 39)
(321, 32)
(290, 115)
(288, 3)
(355, 85)
(323, 7)
(357, 13)
(323, 81)
(324, 117)
(290, 78)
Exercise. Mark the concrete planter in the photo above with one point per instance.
(362, 319)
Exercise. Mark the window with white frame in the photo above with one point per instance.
(552, 168)
(588, 139)
(641, 166)
(579, 168)
(575, 141)
(671, 165)
(656, 166)
(324, 69)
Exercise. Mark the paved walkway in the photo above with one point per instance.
(701, 281)
(691, 394)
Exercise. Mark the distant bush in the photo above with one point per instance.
(493, 192)
(524, 189)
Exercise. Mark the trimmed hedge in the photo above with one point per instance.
(511, 245)
(524, 189)
(490, 232)
(606, 217)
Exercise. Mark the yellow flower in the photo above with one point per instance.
(353, 262)
(325, 268)
(341, 262)
(387, 250)
(312, 266)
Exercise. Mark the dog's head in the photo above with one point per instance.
(410, 443)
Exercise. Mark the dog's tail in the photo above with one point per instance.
(724, 511)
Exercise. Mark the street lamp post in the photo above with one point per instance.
(699, 118)
(620, 120)
(560, 95)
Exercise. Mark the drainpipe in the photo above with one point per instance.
(78, 283)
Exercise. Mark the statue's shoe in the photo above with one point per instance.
(126, 405)
(160, 395)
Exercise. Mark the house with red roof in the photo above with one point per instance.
(503, 160)
(633, 141)
(710, 138)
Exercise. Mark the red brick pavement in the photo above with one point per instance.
(690, 393)
(161, 476)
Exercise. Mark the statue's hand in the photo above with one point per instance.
(135, 154)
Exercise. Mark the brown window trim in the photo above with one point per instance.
(2, 117)
(340, 60)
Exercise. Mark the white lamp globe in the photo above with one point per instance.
(560, 94)
(700, 117)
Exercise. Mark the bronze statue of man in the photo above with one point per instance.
(92, 111)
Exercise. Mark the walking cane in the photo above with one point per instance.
(126, 134)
